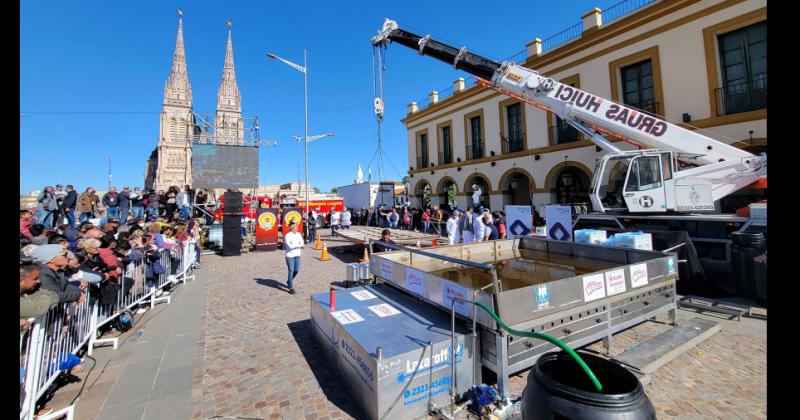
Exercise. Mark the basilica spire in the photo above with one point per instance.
(177, 90)
(228, 98)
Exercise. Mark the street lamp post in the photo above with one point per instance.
(305, 97)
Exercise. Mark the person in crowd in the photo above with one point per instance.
(386, 236)
(38, 234)
(336, 220)
(124, 204)
(53, 260)
(111, 203)
(346, 219)
(158, 238)
(59, 194)
(500, 223)
(108, 228)
(151, 201)
(493, 234)
(478, 228)
(185, 202)
(171, 202)
(312, 226)
(465, 225)
(426, 221)
(25, 221)
(33, 300)
(68, 204)
(486, 215)
(453, 233)
(292, 244)
(48, 207)
(137, 203)
(87, 204)
(406, 219)
(394, 218)
(200, 200)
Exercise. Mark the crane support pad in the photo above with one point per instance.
(663, 348)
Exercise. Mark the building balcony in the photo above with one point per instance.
(445, 157)
(513, 143)
(475, 151)
(422, 162)
(741, 97)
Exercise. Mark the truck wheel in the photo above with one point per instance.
(320, 222)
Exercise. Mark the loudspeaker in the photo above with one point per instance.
(233, 202)
(231, 235)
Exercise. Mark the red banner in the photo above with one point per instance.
(293, 214)
(267, 230)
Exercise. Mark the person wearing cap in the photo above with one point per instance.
(453, 234)
(293, 243)
(52, 260)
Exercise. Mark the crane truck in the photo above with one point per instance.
(674, 177)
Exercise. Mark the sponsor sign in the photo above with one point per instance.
(386, 269)
(292, 214)
(638, 275)
(415, 282)
(347, 316)
(615, 282)
(670, 266)
(363, 295)
(559, 222)
(451, 290)
(518, 221)
(543, 296)
(267, 230)
(594, 287)
(383, 310)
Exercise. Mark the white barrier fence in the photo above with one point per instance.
(50, 344)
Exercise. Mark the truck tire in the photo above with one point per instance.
(320, 222)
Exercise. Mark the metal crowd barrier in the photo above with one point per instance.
(51, 342)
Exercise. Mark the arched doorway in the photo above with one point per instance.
(477, 189)
(423, 193)
(571, 185)
(516, 188)
(447, 191)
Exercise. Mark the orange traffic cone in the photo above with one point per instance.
(366, 256)
(434, 243)
(324, 256)
(318, 244)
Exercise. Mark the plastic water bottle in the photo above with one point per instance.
(136, 335)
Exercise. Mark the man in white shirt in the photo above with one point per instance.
(487, 232)
(453, 234)
(478, 228)
(292, 243)
(346, 219)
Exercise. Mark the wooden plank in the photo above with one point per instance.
(362, 235)
(665, 347)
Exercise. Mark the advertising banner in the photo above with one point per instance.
(559, 222)
(518, 221)
(267, 230)
(293, 214)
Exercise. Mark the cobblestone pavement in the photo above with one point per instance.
(260, 359)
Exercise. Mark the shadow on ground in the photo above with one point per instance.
(326, 376)
(275, 284)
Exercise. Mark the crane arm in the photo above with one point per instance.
(589, 113)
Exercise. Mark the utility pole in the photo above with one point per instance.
(109, 172)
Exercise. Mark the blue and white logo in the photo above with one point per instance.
(543, 294)
(670, 265)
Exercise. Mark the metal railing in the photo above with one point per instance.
(475, 151)
(422, 162)
(513, 143)
(741, 97)
(563, 133)
(49, 346)
(445, 157)
(623, 8)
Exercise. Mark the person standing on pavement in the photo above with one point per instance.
(465, 226)
(453, 234)
(426, 221)
(87, 204)
(492, 232)
(69, 203)
(124, 204)
(346, 219)
(293, 244)
(111, 203)
(153, 204)
(478, 228)
(59, 194)
(48, 207)
(137, 203)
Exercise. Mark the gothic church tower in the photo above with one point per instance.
(228, 121)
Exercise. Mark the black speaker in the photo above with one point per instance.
(231, 235)
(233, 202)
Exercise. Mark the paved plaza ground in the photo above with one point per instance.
(234, 344)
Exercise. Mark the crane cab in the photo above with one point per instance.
(639, 181)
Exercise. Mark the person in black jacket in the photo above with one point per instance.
(69, 202)
(124, 204)
(52, 260)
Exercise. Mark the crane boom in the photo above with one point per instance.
(724, 168)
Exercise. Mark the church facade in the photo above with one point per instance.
(170, 163)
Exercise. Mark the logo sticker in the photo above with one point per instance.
(347, 316)
(386, 269)
(415, 282)
(266, 220)
(638, 275)
(292, 216)
(594, 287)
(363, 295)
(615, 282)
(646, 201)
(670, 266)
(513, 76)
(383, 310)
(543, 296)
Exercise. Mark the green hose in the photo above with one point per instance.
(545, 337)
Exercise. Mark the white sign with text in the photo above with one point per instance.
(638, 275)
(594, 287)
(383, 310)
(347, 316)
(615, 282)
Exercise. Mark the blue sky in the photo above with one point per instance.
(93, 72)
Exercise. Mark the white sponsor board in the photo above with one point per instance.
(383, 310)
(363, 295)
(415, 281)
(615, 282)
(347, 316)
(594, 287)
(450, 290)
(559, 222)
(520, 218)
(386, 269)
(638, 275)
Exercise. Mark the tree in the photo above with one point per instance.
(334, 190)
(316, 190)
(405, 179)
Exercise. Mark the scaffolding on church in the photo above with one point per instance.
(245, 131)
